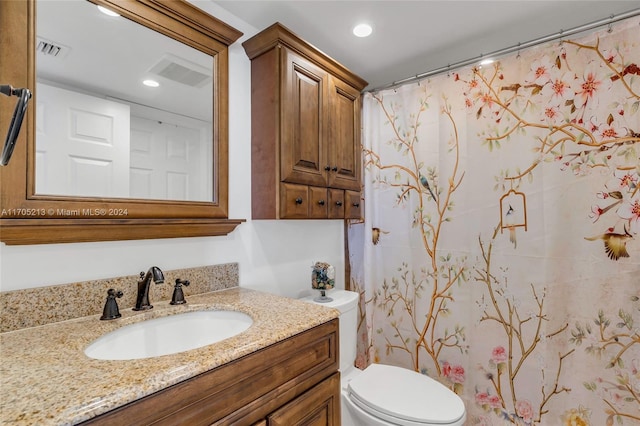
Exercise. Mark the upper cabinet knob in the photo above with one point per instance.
(339, 203)
(356, 205)
(298, 200)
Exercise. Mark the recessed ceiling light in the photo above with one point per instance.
(107, 11)
(151, 83)
(362, 30)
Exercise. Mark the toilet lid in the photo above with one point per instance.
(403, 396)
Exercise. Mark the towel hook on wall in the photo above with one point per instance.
(16, 121)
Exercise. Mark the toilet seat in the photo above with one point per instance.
(404, 397)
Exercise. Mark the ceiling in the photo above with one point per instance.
(94, 61)
(413, 37)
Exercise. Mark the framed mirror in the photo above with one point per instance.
(102, 156)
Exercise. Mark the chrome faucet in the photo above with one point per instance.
(142, 300)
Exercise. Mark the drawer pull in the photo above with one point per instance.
(321, 202)
(298, 200)
(356, 205)
(339, 203)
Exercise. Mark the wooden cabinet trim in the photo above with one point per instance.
(278, 34)
(44, 231)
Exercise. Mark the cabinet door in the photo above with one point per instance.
(319, 406)
(344, 145)
(303, 121)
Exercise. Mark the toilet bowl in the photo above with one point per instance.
(386, 395)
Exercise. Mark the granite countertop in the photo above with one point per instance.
(46, 379)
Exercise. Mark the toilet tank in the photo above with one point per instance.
(347, 303)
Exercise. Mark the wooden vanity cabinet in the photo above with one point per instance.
(293, 382)
(305, 129)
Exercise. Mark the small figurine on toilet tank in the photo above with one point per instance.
(323, 277)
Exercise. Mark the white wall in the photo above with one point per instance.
(274, 256)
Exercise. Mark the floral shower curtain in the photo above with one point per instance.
(500, 252)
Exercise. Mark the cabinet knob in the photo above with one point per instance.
(321, 202)
(298, 200)
(339, 203)
(356, 205)
(334, 169)
(327, 168)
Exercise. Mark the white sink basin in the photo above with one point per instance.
(168, 335)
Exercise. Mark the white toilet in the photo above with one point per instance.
(385, 395)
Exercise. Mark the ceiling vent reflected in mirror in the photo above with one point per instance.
(51, 48)
(182, 71)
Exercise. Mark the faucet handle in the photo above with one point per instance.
(178, 294)
(111, 310)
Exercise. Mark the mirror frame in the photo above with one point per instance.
(29, 218)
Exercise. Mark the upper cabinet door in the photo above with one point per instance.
(303, 122)
(344, 145)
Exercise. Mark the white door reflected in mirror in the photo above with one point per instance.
(100, 132)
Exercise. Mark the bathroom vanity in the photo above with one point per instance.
(283, 370)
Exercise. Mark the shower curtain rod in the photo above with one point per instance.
(563, 33)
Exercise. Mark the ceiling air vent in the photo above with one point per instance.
(182, 71)
(50, 48)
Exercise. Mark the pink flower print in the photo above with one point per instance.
(454, 373)
(446, 369)
(539, 73)
(487, 99)
(494, 401)
(552, 115)
(524, 410)
(595, 214)
(457, 374)
(587, 89)
(468, 102)
(626, 180)
(482, 399)
(630, 210)
(558, 90)
(499, 354)
(610, 55)
(609, 133)
(604, 130)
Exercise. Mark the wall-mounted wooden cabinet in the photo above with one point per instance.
(306, 150)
